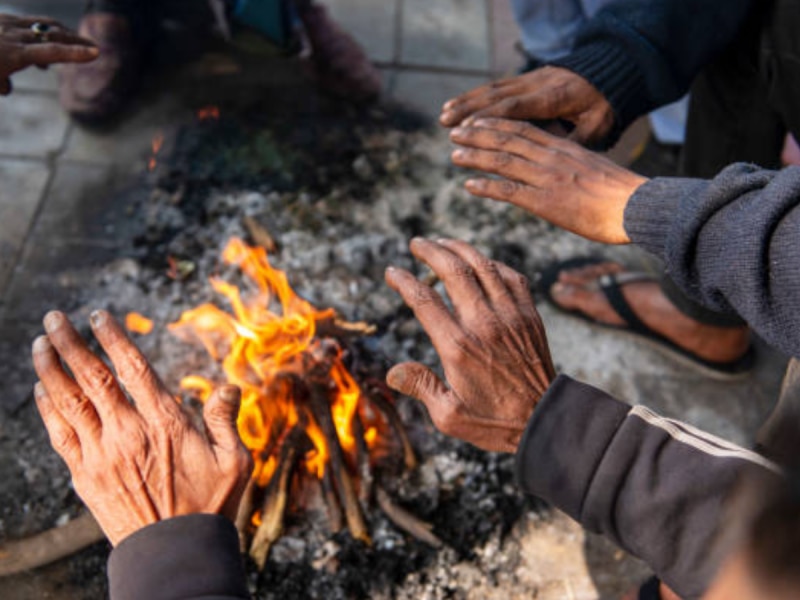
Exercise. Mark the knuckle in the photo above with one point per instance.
(461, 269)
(64, 441)
(421, 296)
(502, 159)
(135, 367)
(509, 188)
(99, 378)
(502, 139)
(511, 105)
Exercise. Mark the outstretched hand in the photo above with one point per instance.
(571, 187)
(134, 464)
(548, 93)
(492, 345)
(28, 41)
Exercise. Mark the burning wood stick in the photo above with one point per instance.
(341, 329)
(321, 410)
(387, 407)
(245, 514)
(276, 499)
(405, 520)
(332, 502)
(51, 545)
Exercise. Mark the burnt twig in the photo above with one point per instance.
(405, 520)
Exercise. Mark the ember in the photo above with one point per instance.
(138, 323)
(302, 411)
(208, 112)
(155, 147)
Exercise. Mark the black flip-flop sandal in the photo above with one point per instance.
(611, 286)
(649, 590)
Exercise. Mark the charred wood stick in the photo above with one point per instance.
(320, 408)
(332, 502)
(245, 514)
(277, 496)
(260, 235)
(389, 410)
(49, 546)
(362, 462)
(405, 520)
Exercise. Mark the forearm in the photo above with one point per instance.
(654, 486)
(731, 243)
(196, 556)
(643, 54)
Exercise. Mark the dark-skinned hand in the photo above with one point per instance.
(134, 463)
(546, 94)
(556, 179)
(492, 345)
(22, 47)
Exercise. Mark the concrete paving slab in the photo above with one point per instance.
(506, 60)
(446, 33)
(428, 91)
(84, 203)
(24, 183)
(31, 125)
(36, 80)
(373, 24)
(128, 143)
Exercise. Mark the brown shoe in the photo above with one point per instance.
(340, 64)
(97, 91)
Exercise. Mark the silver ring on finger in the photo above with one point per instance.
(41, 31)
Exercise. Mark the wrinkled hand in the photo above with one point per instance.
(135, 464)
(492, 346)
(548, 93)
(558, 180)
(21, 47)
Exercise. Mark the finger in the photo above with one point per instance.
(62, 436)
(518, 285)
(536, 135)
(93, 376)
(54, 36)
(492, 139)
(219, 415)
(458, 276)
(49, 53)
(418, 381)
(524, 170)
(67, 396)
(458, 109)
(428, 307)
(29, 20)
(532, 199)
(486, 270)
(152, 399)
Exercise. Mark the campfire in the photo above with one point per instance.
(304, 417)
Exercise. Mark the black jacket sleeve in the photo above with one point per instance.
(196, 556)
(655, 486)
(643, 54)
(731, 243)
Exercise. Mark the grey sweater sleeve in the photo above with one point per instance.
(655, 486)
(196, 556)
(731, 243)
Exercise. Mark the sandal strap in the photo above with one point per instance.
(611, 286)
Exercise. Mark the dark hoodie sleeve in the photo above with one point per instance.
(643, 54)
(196, 556)
(654, 486)
(731, 243)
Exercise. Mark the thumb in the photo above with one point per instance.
(418, 381)
(219, 415)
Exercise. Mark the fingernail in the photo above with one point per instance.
(473, 183)
(53, 320)
(458, 154)
(395, 378)
(229, 394)
(457, 132)
(41, 344)
(442, 240)
(98, 318)
(558, 289)
(38, 390)
(391, 269)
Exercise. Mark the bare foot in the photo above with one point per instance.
(577, 290)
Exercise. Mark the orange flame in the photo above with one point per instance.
(138, 323)
(265, 337)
